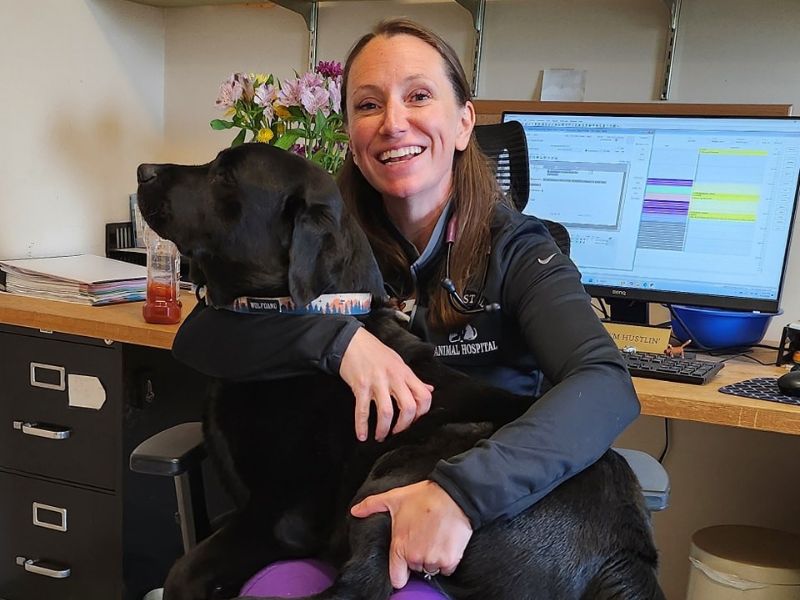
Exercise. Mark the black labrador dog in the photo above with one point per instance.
(259, 221)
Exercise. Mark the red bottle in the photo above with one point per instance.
(163, 276)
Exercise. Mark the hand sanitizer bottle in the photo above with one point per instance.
(163, 275)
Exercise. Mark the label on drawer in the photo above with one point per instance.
(86, 391)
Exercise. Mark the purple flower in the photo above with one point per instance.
(307, 91)
(247, 86)
(290, 93)
(330, 68)
(335, 90)
(229, 92)
(265, 95)
(314, 99)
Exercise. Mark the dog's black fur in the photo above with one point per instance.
(262, 222)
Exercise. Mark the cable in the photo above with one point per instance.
(666, 441)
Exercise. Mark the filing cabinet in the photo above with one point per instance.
(75, 522)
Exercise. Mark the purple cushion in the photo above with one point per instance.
(296, 578)
(291, 579)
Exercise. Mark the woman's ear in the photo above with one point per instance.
(466, 124)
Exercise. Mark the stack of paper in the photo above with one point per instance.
(85, 279)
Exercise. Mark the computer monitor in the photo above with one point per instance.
(670, 209)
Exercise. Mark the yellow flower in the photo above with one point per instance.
(264, 135)
(281, 111)
(230, 112)
(258, 78)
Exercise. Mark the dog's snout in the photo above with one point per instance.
(146, 172)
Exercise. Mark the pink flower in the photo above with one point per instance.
(314, 99)
(238, 86)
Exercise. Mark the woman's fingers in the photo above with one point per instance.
(376, 373)
(385, 412)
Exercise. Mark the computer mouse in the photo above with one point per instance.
(789, 383)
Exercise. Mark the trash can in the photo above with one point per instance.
(742, 562)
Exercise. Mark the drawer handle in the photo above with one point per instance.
(44, 567)
(44, 430)
(54, 512)
(60, 371)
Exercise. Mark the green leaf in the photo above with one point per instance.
(219, 124)
(320, 120)
(239, 138)
(288, 139)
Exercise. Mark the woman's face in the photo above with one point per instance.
(405, 123)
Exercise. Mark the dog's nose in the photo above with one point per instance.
(146, 172)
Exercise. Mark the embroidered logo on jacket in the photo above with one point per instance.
(462, 344)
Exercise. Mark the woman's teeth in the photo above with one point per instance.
(397, 154)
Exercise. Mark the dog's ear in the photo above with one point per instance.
(314, 249)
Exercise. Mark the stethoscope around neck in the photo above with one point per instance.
(461, 305)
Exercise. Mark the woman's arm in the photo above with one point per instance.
(575, 422)
(243, 347)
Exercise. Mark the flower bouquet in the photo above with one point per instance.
(302, 115)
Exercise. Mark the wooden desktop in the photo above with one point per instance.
(703, 403)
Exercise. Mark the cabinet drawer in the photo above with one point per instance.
(59, 408)
(78, 530)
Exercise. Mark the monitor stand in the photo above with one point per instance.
(634, 312)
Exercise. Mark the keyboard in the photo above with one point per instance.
(661, 366)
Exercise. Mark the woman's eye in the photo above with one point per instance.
(420, 96)
(367, 105)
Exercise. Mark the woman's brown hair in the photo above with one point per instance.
(474, 192)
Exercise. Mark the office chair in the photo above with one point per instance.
(178, 452)
(506, 147)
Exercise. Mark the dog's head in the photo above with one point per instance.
(258, 220)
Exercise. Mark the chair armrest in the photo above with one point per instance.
(652, 476)
(171, 452)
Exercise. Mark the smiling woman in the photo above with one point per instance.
(405, 126)
(414, 167)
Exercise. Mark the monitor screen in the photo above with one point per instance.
(689, 210)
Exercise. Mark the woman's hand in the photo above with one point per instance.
(376, 373)
(429, 530)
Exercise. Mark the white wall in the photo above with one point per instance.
(93, 87)
(82, 102)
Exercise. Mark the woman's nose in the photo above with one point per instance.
(395, 118)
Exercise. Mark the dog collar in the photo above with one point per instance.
(326, 304)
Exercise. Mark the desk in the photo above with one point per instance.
(117, 322)
(124, 323)
(703, 403)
